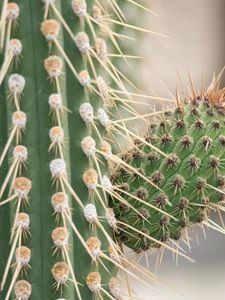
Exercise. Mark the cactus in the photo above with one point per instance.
(61, 228)
(182, 177)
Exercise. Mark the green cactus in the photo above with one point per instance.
(60, 122)
(186, 170)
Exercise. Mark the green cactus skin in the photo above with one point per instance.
(190, 180)
(34, 102)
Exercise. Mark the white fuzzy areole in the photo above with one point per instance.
(79, 8)
(86, 112)
(58, 168)
(90, 213)
(16, 83)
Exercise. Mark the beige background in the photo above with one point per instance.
(196, 44)
(196, 28)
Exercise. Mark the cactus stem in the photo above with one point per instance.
(89, 212)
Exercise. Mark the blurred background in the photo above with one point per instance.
(196, 46)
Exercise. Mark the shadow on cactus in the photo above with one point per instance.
(60, 120)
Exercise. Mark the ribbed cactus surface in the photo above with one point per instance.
(55, 236)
